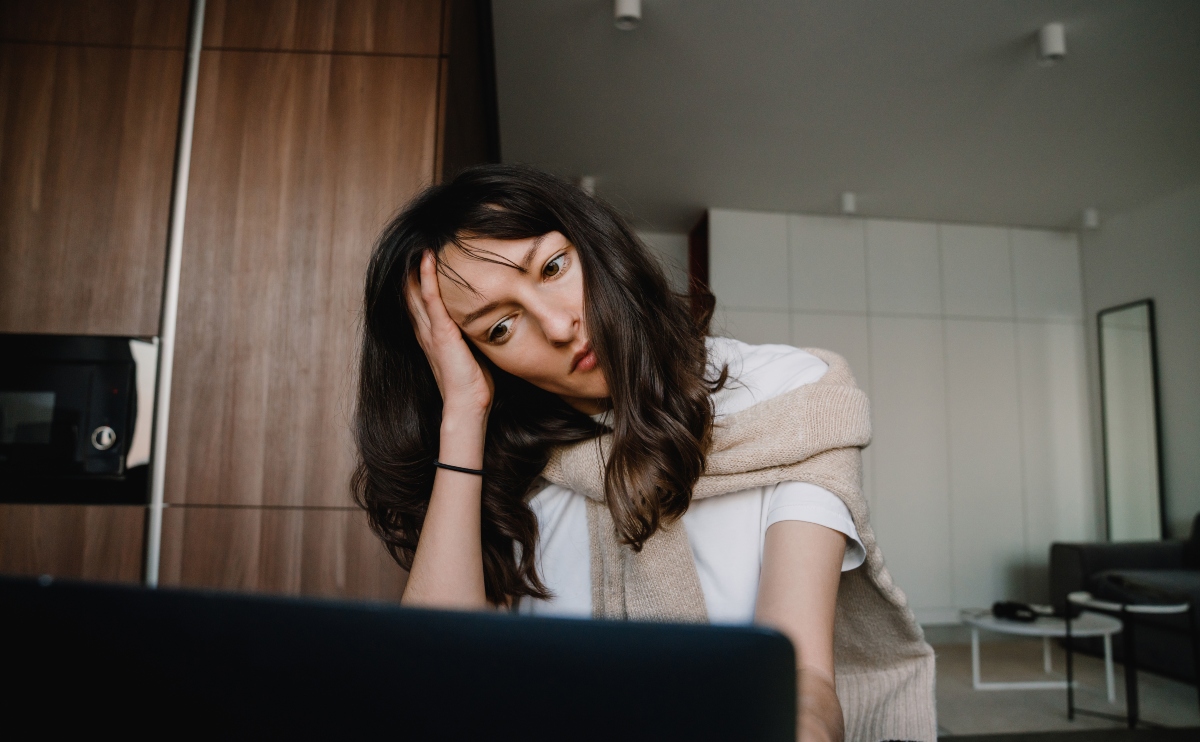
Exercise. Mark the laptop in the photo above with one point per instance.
(183, 663)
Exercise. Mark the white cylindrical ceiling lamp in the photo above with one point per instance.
(1052, 43)
(627, 14)
(587, 184)
(1091, 218)
(849, 203)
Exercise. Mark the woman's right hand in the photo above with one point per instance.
(466, 386)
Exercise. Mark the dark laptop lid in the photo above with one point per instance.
(182, 663)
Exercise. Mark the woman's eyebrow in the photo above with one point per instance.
(528, 259)
(523, 267)
(485, 309)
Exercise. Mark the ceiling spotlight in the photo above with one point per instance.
(849, 203)
(627, 14)
(1091, 218)
(1052, 43)
(587, 184)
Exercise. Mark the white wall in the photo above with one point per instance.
(1154, 252)
(970, 341)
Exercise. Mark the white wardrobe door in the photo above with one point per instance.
(985, 462)
(910, 507)
(902, 268)
(844, 334)
(977, 279)
(829, 263)
(752, 327)
(1056, 448)
(748, 259)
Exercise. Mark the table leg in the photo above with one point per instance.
(1109, 680)
(1131, 695)
(1070, 669)
(975, 657)
(1046, 654)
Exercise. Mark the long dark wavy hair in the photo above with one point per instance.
(649, 346)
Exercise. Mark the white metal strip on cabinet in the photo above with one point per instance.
(170, 306)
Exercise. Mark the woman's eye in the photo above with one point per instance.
(556, 266)
(500, 331)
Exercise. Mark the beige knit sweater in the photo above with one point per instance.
(884, 667)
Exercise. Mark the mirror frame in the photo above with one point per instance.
(1162, 500)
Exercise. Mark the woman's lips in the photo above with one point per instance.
(585, 361)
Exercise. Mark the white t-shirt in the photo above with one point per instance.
(726, 532)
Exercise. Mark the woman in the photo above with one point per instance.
(544, 427)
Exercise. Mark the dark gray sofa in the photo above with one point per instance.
(1138, 572)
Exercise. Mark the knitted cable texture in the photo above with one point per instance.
(815, 434)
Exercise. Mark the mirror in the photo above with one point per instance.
(1129, 395)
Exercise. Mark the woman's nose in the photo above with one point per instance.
(560, 324)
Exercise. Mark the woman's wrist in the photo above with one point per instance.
(820, 710)
(462, 438)
(464, 420)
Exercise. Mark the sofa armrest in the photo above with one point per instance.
(1072, 564)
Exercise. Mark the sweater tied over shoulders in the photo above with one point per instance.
(815, 434)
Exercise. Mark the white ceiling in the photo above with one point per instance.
(928, 109)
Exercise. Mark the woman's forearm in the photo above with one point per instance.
(447, 569)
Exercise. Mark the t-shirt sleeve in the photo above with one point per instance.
(813, 504)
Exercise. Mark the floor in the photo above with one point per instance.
(963, 710)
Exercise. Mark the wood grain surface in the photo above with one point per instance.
(157, 23)
(93, 542)
(291, 551)
(299, 160)
(357, 26)
(86, 159)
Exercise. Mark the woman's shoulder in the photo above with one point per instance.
(759, 372)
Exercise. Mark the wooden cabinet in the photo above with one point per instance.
(101, 542)
(311, 551)
(143, 23)
(298, 161)
(316, 120)
(411, 27)
(86, 157)
(89, 108)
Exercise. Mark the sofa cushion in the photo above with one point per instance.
(1154, 586)
(1191, 547)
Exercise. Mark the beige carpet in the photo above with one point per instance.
(963, 710)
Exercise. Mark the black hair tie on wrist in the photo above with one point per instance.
(464, 470)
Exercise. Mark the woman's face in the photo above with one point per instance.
(525, 313)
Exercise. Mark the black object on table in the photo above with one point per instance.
(188, 664)
(1128, 613)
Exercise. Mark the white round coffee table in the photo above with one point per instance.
(1046, 627)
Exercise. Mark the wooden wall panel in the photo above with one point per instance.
(356, 26)
(86, 159)
(158, 23)
(94, 542)
(299, 159)
(291, 551)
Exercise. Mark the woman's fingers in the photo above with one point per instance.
(463, 382)
(431, 293)
(416, 308)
